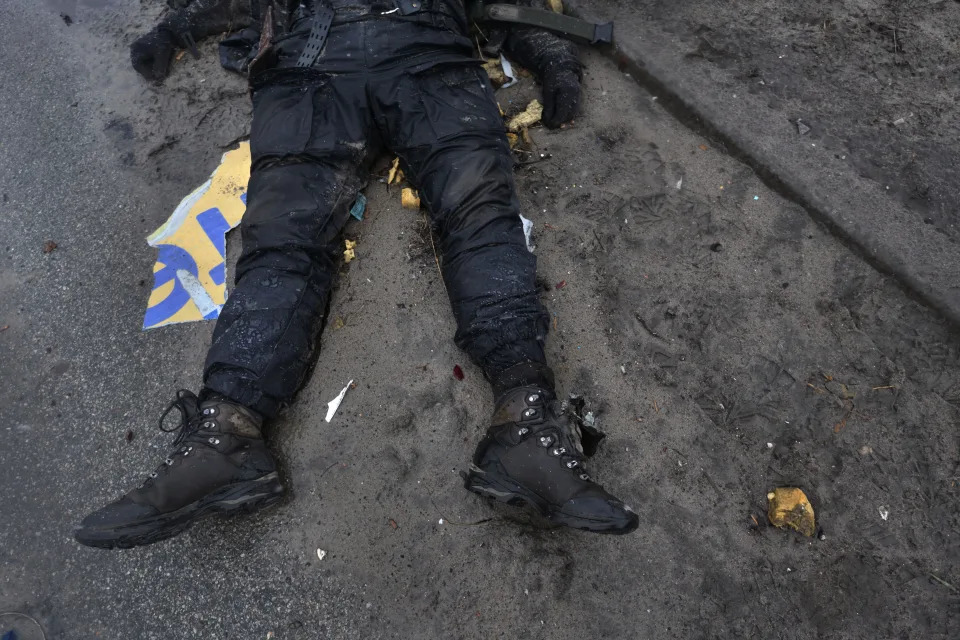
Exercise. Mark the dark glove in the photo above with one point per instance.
(561, 96)
(151, 54)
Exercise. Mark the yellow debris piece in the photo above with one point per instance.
(529, 117)
(557, 5)
(789, 507)
(396, 174)
(349, 253)
(410, 199)
(495, 71)
(513, 139)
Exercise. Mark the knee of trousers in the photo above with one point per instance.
(298, 207)
(465, 173)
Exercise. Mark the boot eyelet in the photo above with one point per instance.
(168, 461)
(209, 425)
(153, 475)
(523, 431)
(573, 464)
(530, 413)
(559, 451)
(546, 441)
(533, 397)
(584, 477)
(209, 411)
(213, 441)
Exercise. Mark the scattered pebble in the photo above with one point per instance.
(884, 513)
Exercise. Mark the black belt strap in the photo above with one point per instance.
(322, 19)
(573, 28)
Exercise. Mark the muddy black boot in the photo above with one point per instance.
(532, 455)
(221, 465)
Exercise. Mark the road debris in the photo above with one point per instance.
(334, 404)
(191, 246)
(789, 507)
(561, 284)
(409, 199)
(507, 67)
(49, 246)
(359, 206)
(395, 175)
(457, 372)
(802, 128)
(349, 252)
(497, 74)
(393, 524)
(321, 554)
(884, 513)
(528, 233)
(529, 117)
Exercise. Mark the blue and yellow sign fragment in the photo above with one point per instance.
(189, 278)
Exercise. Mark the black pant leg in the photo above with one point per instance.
(310, 143)
(446, 127)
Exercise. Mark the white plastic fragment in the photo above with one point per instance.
(508, 71)
(321, 554)
(884, 513)
(527, 231)
(334, 404)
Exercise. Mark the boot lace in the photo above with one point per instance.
(188, 406)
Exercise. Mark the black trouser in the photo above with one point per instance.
(313, 138)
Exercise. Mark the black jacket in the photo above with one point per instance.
(535, 49)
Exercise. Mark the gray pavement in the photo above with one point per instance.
(873, 157)
(727, 343)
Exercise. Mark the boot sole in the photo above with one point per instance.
(502, 489)
(234, 499)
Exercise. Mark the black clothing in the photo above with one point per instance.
(404, 82)
(540, 51)
(313, 137)
(221, 465)
(383, 81)
(532, 455)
